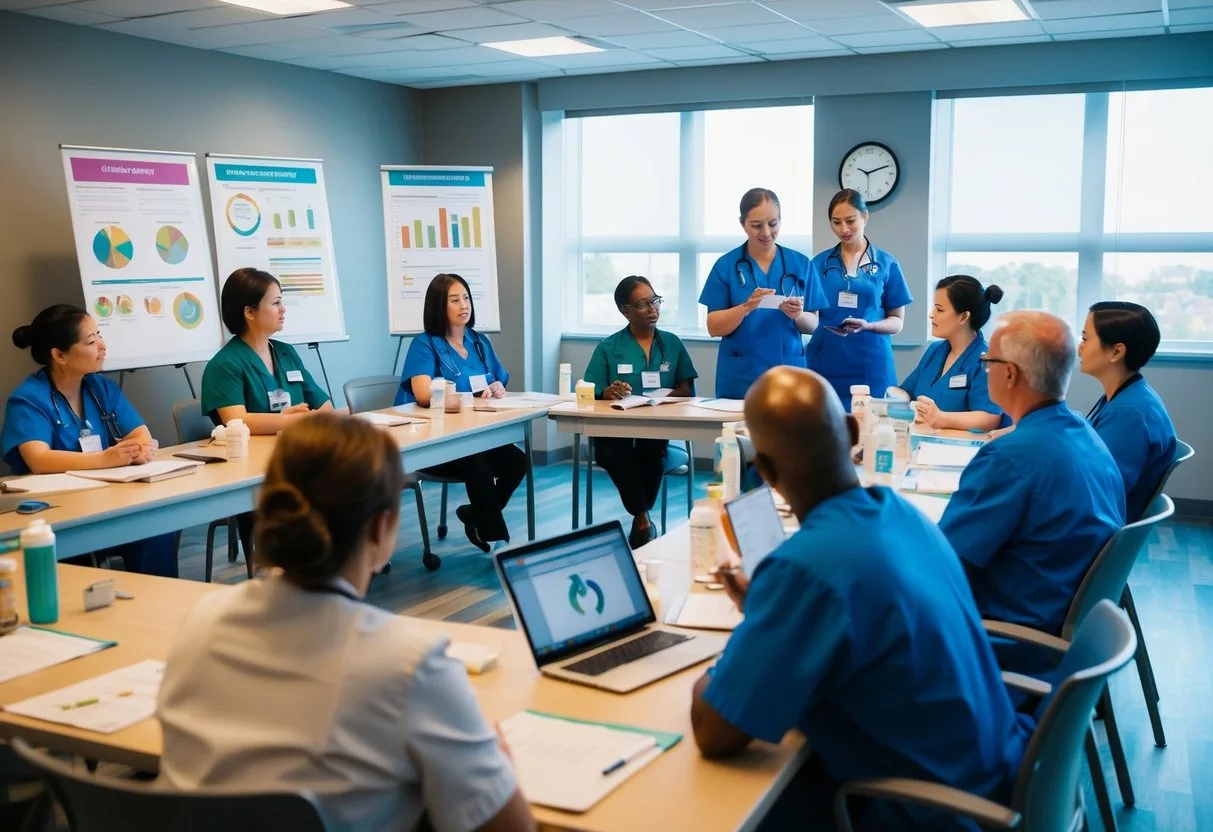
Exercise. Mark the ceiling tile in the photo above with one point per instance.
(24, 5)
(717, 17)
(428, 43)
(218, 16)
(1186, 4)
(989, 31)
(1116, 33)
(784, 47)
(399, 7)
(796, 56)
(159, 29)
(759, 34)
(825, 9)
(550, 10)
(334, 63)
(1004, 41)
(633, 23)
(1058, 9)
(657, 5)
(513, 69)
(917, 47)
(332, 46)
(515, 31)
(443, 74)
(908, 38)
(143, 8)
(658, 40)
(856, 25)
(744, 59)
(392, 31)
(694, 53)
(1183, 17)
(472, 18)
(72, 14)
(267, 31)
(1194, 27)
(1105, 24)
(609, 58)
(347, 17)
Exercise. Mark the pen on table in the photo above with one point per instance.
(623, 761)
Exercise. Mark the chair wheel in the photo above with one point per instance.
(431, 561)
(441, 533)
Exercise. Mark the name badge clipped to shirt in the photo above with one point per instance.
(650, 379)
(279, 400)
(479, 382)
(90, 443)
(959, 382)
(624, 369)
(848, 300)
(294, 376)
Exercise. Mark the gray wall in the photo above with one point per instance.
(69, 84)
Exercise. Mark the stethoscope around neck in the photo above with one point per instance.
(779, 285)
(869, 268)
(476, 342)
(108, 420)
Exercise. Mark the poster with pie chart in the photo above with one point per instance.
(112, 247)
(187, 310)
(126, 306)
(153, 305)
(103, 307)
(171, 245)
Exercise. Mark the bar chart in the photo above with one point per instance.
(450, 230)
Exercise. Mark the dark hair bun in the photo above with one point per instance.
(23, 337)
(993, 293)
(293, 536)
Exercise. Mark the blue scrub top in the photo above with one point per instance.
(1033, 510)
(963, 388)
(765, 338)
(1138, 432)
(861, 357)
(432, 356)
(35, 412)
(866, 598)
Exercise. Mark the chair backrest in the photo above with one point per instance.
(1046, 789)
(97, 803)
(191, 423)
(1183, 452)
(1109, 572)
(371, 393)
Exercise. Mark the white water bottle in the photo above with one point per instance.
(860, 395)
(237, 439)
(884, 441)
(706, 533)
(730, 463)
(565, 387)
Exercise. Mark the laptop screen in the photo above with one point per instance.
(575, 590)
(757, 526)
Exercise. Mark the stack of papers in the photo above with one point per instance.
(386, 420)
(701, 611)
(104, 704)
(151, 472)
(931, 480)
(723, 405)
(522, 401)
(30, 649)
(656, 397)
(944, 455)
(48, 484)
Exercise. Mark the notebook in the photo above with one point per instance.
(105, 703)
(30, 649)
(654, 398)
(48, 484)
(943, 481)
(703, 611)
(385, 420)
(151, 472)
(944, 455)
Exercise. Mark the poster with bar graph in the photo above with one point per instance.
(439, 220)
(272, 214)
(144, 254)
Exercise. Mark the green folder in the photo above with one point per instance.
(665, 739)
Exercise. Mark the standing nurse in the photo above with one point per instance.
(753, 339)
(866, 297)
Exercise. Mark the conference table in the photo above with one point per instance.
(85, 521)
(679, 790)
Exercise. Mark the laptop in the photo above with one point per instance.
(757, 527)
(582, 605)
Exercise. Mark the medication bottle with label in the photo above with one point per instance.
(8, 596)
(565, 387)
(885, 443)
(706, 533)
(237, 439)
(860, 395)
(41, 572)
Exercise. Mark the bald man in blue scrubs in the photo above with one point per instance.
(860, 630)
(1036, 505)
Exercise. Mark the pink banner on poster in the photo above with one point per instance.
(125, 170)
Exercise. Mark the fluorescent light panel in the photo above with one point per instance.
(543, 47)
(289, 6)
(935, 15)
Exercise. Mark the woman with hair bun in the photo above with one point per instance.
(948, 384)
(293, 681)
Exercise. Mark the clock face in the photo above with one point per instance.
(870, 168)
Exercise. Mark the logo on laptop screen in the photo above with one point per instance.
(579, 588)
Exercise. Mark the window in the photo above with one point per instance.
(1065, 200)
(656, 194)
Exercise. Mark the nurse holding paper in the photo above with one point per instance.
(761, 297)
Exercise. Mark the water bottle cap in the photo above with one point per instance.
(36, 524)
(566, 368)
(860, 390)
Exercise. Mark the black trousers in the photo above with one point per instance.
(491, 477)
(636, 466)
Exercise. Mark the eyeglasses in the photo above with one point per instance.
(987, 359)
(643, 305)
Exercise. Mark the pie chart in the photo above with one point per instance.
(112, 247)
(103, 307)
(243, 215)
(187, 309)
(153, 305)
(171, 245)
(126, 306)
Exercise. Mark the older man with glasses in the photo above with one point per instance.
(1035, 505)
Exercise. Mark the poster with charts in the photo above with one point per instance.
(272, 214)
(439, 220)
(144, 254)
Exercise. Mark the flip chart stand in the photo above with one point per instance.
(315, 345)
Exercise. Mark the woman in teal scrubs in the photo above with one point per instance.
(948, 384)
(755, 337)
(1118, 339)
(866, 296)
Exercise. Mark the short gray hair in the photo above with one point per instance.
(1042, 346)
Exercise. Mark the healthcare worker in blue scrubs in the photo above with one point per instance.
(69, 417)
(451, 349)
(860, 631)
(866, 296)
(948, 385)
(754, 334)
(1118, 339)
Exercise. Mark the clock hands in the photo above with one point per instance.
(872, 171)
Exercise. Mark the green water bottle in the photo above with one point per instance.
(41, 572)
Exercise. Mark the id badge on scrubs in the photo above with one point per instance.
(958, 382)
(650, 379)
(848, 300)
(90, 443)
(294, 376)
(279, 401)
(478, 382)
(624, 369)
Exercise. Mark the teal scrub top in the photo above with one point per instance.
(868, 597)
(1137, 429)
(618, 357)
(1033, 510)
(962, 389)
(237, 376)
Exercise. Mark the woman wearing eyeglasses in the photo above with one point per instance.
(761, 297)
(638, 359)
(451, 349)
(866, 296)
(69, 417)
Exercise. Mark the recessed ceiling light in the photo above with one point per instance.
(934, 15)
(289, 6)
(544, 47)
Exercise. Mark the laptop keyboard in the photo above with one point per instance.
(629, 651)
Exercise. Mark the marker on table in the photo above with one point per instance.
(620, 763)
